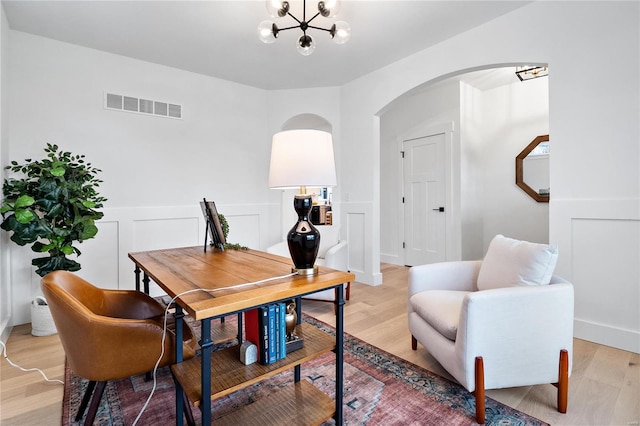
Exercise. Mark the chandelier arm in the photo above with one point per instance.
(314, 17)
(296, 19)
(319, 28)
(288, 28)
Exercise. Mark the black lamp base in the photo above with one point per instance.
(303, 239)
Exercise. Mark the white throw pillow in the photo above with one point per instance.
(510, 262)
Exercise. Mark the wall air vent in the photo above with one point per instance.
(142, 106)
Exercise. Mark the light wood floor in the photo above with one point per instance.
(604, 386)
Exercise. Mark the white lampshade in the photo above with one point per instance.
(302, 158)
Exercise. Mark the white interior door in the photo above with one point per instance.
(424, 196)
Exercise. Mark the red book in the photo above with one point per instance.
(255, 329)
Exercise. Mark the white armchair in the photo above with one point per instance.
(502, 322)
(333, 253)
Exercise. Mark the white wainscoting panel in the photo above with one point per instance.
(605, 268)
(244, 229)
(355, 236)
(99, 258)
(599, 242)
(364, 261)
(155, 234)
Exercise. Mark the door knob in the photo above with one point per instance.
(439, 209)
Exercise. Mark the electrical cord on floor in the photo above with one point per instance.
(4, 353)
(164, 329)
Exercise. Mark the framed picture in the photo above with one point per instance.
(214, 227)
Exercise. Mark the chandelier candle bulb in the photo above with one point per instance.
(267, 31)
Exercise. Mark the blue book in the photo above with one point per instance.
(277, 331)
(272, 333)
(282, 343)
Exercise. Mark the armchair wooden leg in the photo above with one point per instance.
(85, 400)
(479, 392)
(563, 381)
(95, 403)
(414, 343)
(347, 294)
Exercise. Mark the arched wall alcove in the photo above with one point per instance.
(448, 105)
(307, 121)
(296, 122)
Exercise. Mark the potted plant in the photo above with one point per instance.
(52, 206)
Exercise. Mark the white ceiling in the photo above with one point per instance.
(219, 38)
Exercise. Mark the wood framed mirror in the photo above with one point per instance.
(532, 169)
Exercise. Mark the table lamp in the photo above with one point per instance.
(301, 159)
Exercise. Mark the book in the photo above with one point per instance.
(264, 335)
(282, 326)
(277, 336)
(271, 339)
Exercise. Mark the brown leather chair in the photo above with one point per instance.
(109, 334)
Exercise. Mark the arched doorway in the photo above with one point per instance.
(491, 114)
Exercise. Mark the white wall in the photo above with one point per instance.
(593, 118)
(155, 170)
(513, 116)
(472, 173)
(5, 277)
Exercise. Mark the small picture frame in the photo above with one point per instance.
(214, 227)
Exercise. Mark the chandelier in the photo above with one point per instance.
(268, 31)
(528, 72)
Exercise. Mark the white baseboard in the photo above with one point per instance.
(5, 329)
(628, 340)
(391, 258)
(369, 279)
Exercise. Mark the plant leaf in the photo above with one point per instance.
(67, 250)
(24, 216)
(24, 201)
(58, 171)
(88, 231)
(54, 263)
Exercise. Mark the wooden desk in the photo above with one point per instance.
(190, 269)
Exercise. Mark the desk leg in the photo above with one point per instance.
(296, 369)
(240, 328)
(206, 345)
(179, 315)
(145, 281)
(339, 353)
(137, 272)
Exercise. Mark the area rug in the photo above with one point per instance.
(379, 389)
